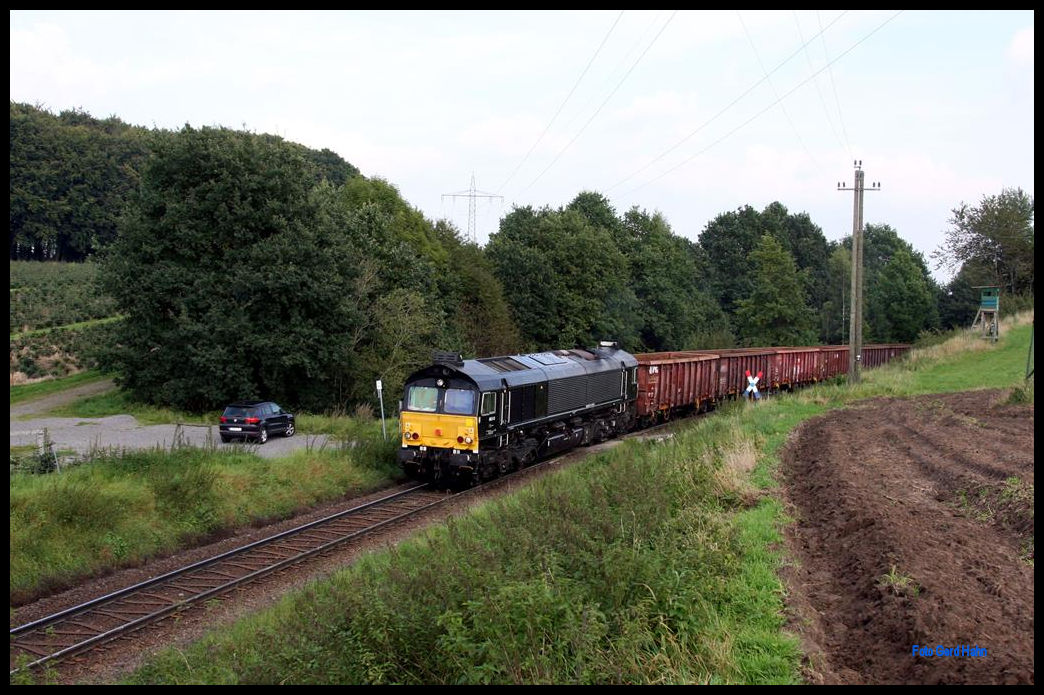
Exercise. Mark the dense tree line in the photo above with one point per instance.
(247, 265)
(71, 176)
(581, 274)
(241, 273)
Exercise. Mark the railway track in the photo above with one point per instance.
(121, 612)
(116, 614)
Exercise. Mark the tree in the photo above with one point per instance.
(667, 275)
(728, 240)
(900, 301)
(775, 312)
(995, 236)
(835, 312)
(808, 245)
(881, 246)
(596, 210)
(567, 283)
(479, 317)
(70, 177)
(72, 174)
(959, 301)
(233, 275)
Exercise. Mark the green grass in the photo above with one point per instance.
(652, 563)
(68, 327)
(26, 392)
(899, 583)
(117, 402)
(629, 568)
(121, 508)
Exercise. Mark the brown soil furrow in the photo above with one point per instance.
(885, 558)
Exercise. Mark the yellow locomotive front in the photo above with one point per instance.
(439, 428)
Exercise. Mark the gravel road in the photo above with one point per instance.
(83, 435)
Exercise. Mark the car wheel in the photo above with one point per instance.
(290, 429)
(262, 436)
(225, 439)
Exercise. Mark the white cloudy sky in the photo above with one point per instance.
(689, 113)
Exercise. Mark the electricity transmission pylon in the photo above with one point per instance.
(471, 194)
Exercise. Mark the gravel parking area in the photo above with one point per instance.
(83, 435)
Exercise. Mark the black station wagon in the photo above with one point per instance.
(255, 420)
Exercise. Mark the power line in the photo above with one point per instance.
(759, 113)
(617, 69)
(725, 108)
(793, 127)
(840, 116)
(562, 106)
(595, 114)
(819, 92)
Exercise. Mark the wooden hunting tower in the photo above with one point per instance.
(987, 319)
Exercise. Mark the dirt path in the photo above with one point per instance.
(41, 405)
(914, 526)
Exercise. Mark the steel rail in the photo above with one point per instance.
(46, 623)
(166, 608)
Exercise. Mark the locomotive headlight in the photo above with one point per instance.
(468, 440)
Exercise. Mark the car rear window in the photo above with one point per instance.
(236, 411)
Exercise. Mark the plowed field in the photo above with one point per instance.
(913, 541)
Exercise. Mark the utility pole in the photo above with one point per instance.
(855, 328)
(471, 194)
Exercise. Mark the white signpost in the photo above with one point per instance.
(380, 397)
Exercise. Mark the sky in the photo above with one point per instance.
(688, 113)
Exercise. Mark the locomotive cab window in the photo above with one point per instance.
(423, 398)
(460, 402)
(489, 403)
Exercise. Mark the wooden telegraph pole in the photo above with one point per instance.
(855, 329)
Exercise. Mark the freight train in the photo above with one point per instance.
(466, 421)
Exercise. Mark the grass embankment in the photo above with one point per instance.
(26, 392)
(652, 563)
(79, 325)
(632, 567)
(120, 508)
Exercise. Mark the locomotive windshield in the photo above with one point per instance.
(423, 398)
(427, 399)
(460, 402)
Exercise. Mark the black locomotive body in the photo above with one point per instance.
(471, 420)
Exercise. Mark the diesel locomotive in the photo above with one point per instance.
(465, 421)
